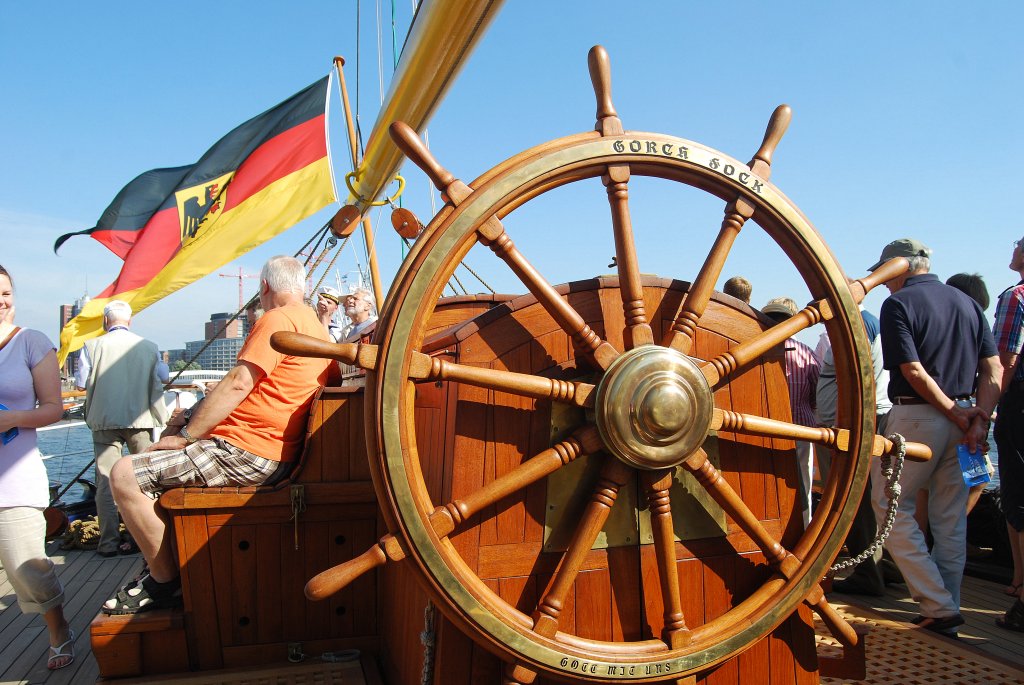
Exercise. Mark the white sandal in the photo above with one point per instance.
(59, 653)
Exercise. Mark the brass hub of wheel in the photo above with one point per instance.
(653, 407)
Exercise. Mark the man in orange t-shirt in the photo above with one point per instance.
(246, 432)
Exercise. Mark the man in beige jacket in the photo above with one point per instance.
(123, 377)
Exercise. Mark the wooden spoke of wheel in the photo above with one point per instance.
(719, 369)
(447, 519)
(681, 334)
(724, 365)
(836, 438)
(638, 329)
(613, 475)
(492, 234)
(526, 385)
(362, 355)
(837, 625)
(517, 674)
(583, 336)
(616, 181)
(712, 481)
(675, 634)
(599, 65)
(426, 368)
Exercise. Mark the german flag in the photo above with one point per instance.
(174, 226)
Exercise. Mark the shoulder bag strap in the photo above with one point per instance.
(9, 337)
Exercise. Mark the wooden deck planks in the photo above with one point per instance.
(981, 602)
(88, 581)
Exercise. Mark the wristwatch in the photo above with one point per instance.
(185, 434)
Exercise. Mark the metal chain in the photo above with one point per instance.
(891, 469)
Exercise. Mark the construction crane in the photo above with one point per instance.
(241, 289)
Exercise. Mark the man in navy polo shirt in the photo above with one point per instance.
(938, 348)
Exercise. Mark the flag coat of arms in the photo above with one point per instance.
(174, 226)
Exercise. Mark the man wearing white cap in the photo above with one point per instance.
(938, 348)
(327, 301)
(123, 376)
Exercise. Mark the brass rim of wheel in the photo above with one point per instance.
(392, 434)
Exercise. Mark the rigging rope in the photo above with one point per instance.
(329, 266)
(320, 258)
(317, 237)
(428, 638)
(359, 53)
(380, 57)
(477, 276)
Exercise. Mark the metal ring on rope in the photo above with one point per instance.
(362, 201)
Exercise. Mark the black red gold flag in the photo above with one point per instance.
(174, 226)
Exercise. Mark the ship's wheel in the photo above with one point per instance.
(649, 406)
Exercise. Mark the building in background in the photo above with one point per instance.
(66, 313)
(220, 326)
(220, 355)
(248, 320)
(222, 342)
(174, 356)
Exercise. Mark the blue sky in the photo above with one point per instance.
(904, 123)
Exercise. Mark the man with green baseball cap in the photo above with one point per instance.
(939, 351)
(904, 247)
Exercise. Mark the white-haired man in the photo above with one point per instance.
(248, 431)
(361, 310)
(938, 348)
(122, 375)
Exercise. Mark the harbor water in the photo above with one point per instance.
(67, 450)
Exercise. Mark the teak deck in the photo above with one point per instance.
(89, 579)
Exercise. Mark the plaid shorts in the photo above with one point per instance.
(204, 463)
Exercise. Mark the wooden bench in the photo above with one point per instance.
(152, 642)
(245, 554)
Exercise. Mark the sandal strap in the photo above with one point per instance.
(145, 594)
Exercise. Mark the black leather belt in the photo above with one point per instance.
(918, 400)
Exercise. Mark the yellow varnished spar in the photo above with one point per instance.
(440, 40)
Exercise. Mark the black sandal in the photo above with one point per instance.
(1013, 619)
(946, 625)
(128, 547)
(144, 595)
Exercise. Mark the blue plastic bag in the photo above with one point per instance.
(7, 435)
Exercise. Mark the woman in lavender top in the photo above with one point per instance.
(30, 393)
